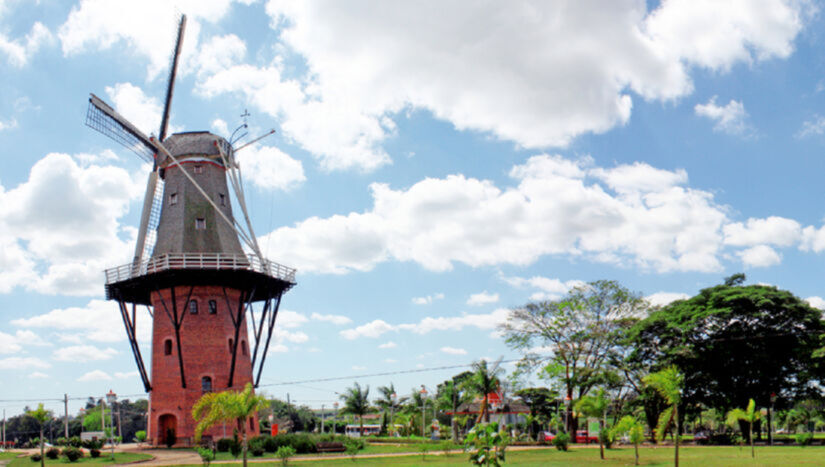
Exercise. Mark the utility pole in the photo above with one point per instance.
(66, 418)
(322, 418)
(288, 409)
(4, 428)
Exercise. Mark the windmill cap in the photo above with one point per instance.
(196, 143)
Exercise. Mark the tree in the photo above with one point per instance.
(450, 395)
(356, 402)
(735, 341)
(483, 381)
(749, 416)
(41, 416)
(227, 406)
(388, 400)
(542, 403)
(595, 406)
(669, 383)
(634, 429)
(583, 330)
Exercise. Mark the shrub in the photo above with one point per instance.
(804, 439)
(61, 441)
(352, 447)
(256, 446)
(140, 436)
(561, 441)
(284, 453)
(72, 454)
(722, 439)
(207, 456)
(95, 453)
(53, 453)
(269, 444)
(225, 444)
(75, 441)
(35, 457)
(235, 448)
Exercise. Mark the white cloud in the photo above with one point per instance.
(290, 319)
(664, 298)
(98, 321)
(453, 351)
(334, 319)
(270, 168)
(83, 353)
(18, 52)
(482, 298)
(126, 375)
(815, 126)
(388, 345)
(367, 63)
(219, 53)
(727, 119)
(22, 363)
(220, 127)
(816, 302)
(95, 375)
(14, 343)
(390, 360)
(142, 111)
(551, 289)
(8, 124)
(773, 230)
(378, 327)
(428, 299)
(760, 256)
(60, 228)
(38, 375)
(557, 207)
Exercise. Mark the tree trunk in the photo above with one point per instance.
(678, 435)
(42, 460)
(601, 444)
(452, 420)
(243, 431)
(361, 424)
(750, 435)
(636, 448)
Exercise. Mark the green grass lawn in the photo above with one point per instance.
(695, 456)
(104, 459)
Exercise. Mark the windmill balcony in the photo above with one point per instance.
(200, 261)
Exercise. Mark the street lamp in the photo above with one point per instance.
(335, 425)
(393, 397)
(323, 415)
(111, 398)
(423, 403)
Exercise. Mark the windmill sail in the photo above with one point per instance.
(105, 120)
(170, 87)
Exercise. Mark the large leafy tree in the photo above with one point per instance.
(450, 395)
(41, 416)
(356, 402)
(228, 406)
(736, 341)
(583, 330)
(542, 403)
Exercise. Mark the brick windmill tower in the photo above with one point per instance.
(199, 272)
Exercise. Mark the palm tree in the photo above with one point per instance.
(595, 406)
(749, 416)
(483, 381)
(628, 424)
(450, 396)
(227, 406)
(668, 383)
(42, 416)
(356, 402)
(389, 400)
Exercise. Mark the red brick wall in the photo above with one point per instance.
(205, 348)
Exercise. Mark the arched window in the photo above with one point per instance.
(193, 307)
(167, 347)
(231, 346)
(243, 347)
(206, 384)
(252, 424)
(213, 307)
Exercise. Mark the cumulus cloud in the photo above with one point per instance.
(778, 231)
(14, 343)
(126, 375)
(816, 302)
(18, 52)
(550, 288)
(95, 375)
(813, 127)
(143, 111)
(427, 300)
(378, 327)
(760, 256)
(270, 168)
(8, 124)
(388, 345)
(98, 321)
(482, 298)
(83, 353)
(22, 363)
(665, 298)
(557, 207)
(730, 118)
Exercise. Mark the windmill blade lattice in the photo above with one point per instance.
(102, 118)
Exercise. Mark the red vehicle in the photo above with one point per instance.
(582, 437)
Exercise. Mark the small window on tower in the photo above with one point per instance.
(243, 347)
(223, 199)
(173, 198)
(230, 345)
(206, 384)
(200, 223)
(198, 169)
(252, 424)
(167, 347)
(213, 307)
(193, 307)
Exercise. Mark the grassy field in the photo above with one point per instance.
(690, 456)
(104, 459)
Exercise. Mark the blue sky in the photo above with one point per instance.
(434, 166)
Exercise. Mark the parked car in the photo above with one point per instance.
(701, 437)
(546, 436)
(582, 437)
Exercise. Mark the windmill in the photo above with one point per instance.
(191, 270)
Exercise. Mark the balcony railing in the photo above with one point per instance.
(210, 261)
